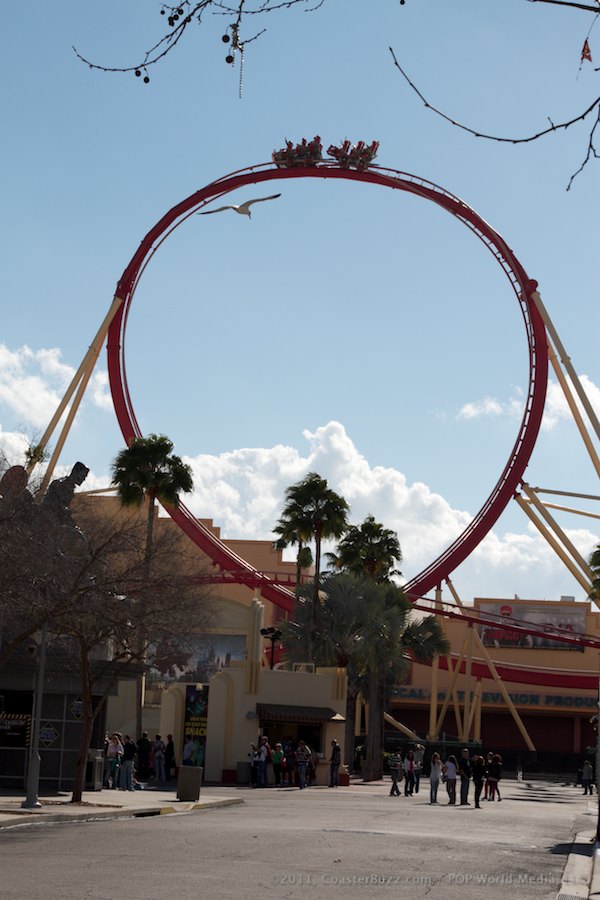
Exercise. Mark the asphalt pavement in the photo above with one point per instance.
(578, 880)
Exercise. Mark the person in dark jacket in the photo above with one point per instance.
(169, 756)
(478, 773)
(464, 773)
(494, 774)
(334, 764)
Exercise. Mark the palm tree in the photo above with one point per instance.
(147, 470)
(367, 628)
(287, 528)
(386, 641)
(313, 511)
(368, 550)
(333, 637)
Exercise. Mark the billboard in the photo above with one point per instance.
(202, 656)
(548, 617)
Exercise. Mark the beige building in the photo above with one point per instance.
(552, 685)
(246, 697)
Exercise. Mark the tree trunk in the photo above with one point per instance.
(351, 695)
(373, 764)
(149, 536)
(315, 599)
(298, 569)
(141, 679)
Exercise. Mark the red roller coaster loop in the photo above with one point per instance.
(522, 286)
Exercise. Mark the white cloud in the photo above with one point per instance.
(486, 407)
(243, 492)
(13, 446)
(556, 408)
(32, 383)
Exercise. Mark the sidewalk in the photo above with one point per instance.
(104, 804)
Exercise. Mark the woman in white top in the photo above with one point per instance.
(434, 777)
(449, 771)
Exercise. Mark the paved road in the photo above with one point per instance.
(352, 842)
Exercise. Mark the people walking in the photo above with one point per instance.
(434, 777)
(488, 761)
(409, 774)
(126, 768)
(158, 756)
(450, 770)
(464, 771)
(277, 758)
(264, 754)
(144, 746)
(303, 757)
(169, 757)
(396, 774)
(334, 764)
(587, 777)
(494, 775)
(114, 754)
(478, 774)
(419, 753)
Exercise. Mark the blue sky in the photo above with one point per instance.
(346, 328)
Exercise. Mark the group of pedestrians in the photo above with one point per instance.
(128, 763)
(485, 773)
(293, 764)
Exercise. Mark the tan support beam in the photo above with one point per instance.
(574, 410)
(475, 707)
(526, 507)
(406, 731)
(564, 358)
(569, 509)
(477, 729)
(467, 691)
(65, 429)
(494, 673)
(450, 693)
(581, 562)
(85, 370)
(435, 668)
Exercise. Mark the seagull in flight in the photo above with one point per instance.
(243, 209)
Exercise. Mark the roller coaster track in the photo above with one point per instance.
(229, 566)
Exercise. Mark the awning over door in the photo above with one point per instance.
(283, 712)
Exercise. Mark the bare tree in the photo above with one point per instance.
(115, 600)
(84, 575)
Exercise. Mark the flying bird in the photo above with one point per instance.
(243, 209)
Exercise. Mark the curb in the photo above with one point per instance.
(93, 815)
(595, 885)
(578, 873)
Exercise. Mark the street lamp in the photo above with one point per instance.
(272, 634)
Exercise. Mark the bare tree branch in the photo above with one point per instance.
(179, 17)
(569, 3)
(561, 126)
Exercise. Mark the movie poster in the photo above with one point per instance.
(195, 721)
(201, 657)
